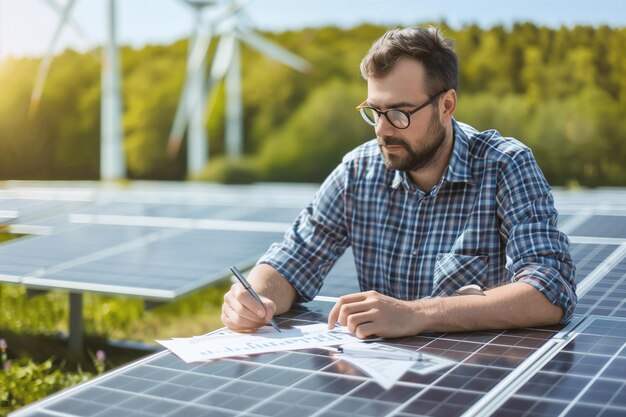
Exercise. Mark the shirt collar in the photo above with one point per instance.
(458, 168)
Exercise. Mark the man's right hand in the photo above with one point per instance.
(241, 312)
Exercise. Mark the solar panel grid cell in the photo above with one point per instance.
(608, 297)
(587, 256)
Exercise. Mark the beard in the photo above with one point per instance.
(414, 159)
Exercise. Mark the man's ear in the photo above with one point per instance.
(447, 105)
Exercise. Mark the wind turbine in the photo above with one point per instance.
(112, 160)
(193, 91)
(226, 63)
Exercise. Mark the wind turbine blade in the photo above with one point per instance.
(194, 66)
(273, 51)
(223, 57)
(233, 6)
(219, 66)
(71, 22)
(44, 67)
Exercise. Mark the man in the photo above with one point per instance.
(429, 207)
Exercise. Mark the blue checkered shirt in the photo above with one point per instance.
(489, 221)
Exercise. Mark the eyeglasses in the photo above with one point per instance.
(399, 119)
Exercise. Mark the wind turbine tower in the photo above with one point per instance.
(112, 158)
(197, 139)
(112, 155)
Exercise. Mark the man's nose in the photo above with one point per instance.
(383, 127)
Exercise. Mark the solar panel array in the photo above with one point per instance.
(577, 370)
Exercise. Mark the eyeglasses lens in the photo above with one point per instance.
(369, 115)
(398, 119)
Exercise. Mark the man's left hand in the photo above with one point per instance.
(373, 314)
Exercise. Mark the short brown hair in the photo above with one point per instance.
(425, 45)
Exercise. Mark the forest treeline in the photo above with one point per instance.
(560, 91)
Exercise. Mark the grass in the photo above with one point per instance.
(112, 317)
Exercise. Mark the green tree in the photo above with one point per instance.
(311, 144)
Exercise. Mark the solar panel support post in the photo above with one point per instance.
(149, 305)
(75, 338)
(32, 292)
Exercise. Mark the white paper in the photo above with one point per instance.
(385, 372)
(228, 344)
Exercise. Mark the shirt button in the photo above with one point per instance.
(414, 252)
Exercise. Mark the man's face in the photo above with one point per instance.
(403, 88)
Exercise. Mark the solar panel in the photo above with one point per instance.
(176, 264)
(28, 208)
(603, 226)
(342, 278)
(28, 255)
(148, 262)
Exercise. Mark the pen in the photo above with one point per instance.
(253, 293)
(378, 350)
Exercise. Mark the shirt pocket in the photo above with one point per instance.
(453, 271)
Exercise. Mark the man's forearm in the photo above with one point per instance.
(268, 282)
(509, 306)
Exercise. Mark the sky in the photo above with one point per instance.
(26, 26)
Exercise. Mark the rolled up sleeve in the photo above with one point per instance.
(537, 253)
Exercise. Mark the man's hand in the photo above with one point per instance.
(373, 314)
(241, 312)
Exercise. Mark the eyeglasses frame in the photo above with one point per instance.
(408, 114)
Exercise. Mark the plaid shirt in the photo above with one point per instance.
(489, 221)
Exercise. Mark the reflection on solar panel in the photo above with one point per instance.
(577, 370)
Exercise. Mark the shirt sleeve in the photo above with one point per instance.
(537, 252)
(316, 239)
